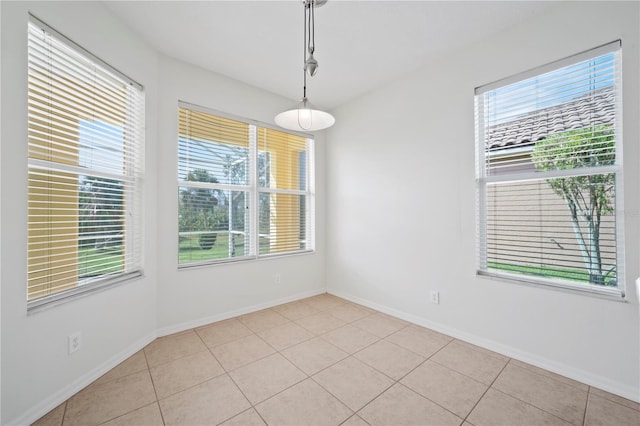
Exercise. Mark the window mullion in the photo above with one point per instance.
(253, 192)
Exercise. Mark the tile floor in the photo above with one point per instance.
(327, 361)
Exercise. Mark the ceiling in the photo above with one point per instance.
(360, 45)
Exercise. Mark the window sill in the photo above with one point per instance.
(616, 294)
(227, 261)
(47, 302)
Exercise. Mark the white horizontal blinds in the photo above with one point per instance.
(85, 136)
(530, 231)
(548, 172)
(283, 192)
(244, 189)
(214, 176)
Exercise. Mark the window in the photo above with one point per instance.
(548, 167)
(244, 190)
(85, 141)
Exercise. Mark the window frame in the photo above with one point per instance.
(483, 180)
(254, 191)
(131, 178)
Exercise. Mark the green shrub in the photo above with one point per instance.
(206, 241)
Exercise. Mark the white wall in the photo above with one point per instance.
(195, 296)
(401, 196)
(37, 373)
(36, 369)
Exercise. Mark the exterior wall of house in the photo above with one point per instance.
(538, 222)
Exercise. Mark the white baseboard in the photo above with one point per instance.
(165, 331)
(569, 371)
(77, 385)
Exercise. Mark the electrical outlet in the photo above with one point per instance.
(277, 278)
(435, 297)
(75, 340)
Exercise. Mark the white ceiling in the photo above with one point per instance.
(360, 45)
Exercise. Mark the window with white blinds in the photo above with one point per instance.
(548, 166)
(85, 166)
(244, 190)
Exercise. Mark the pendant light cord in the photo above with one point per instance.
(304, 57)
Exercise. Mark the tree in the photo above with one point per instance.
(197, 210)
(101, 220)
(589, 197)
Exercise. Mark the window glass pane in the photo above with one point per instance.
(533, 228)
(213, 224)
(282, 219)
(101, 227)
(282, 160)
(213, 146)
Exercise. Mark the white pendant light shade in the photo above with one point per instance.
(304, 117)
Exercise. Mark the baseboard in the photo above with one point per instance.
(77, 385)
(545, 363)
(231, 314)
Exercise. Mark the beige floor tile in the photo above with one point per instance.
(246, 418)
(355, 420)
(323, 302)
(400, 406)
(615, 398)
(496, 408)
(390, 359)
(379, 324)
(100, 403)
(295, 310)
(353, 382)
(135, 363)
(303, 404)
(185, 372)
(266, 377)
(211, 402)
(320, 323)
(350, 339)
(314, 355)
(263, 320)
(283, 336)
(241, 352)
(172, 347)
(476, 364)
(420, 340)
(223, 332)
(601, 411)
(548, 373)
(53, 417)
(450, 389)
(349, 312)
(558, 398)
(148, 415)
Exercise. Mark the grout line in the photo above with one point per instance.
(64, 412)
(155, 391)
(586, 406)
(487, 389)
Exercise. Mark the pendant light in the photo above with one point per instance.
(304, 116)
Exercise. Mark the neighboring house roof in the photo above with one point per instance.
(593, 109)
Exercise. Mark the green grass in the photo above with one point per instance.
(570, 274)
(93, 262)
(190, 252)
